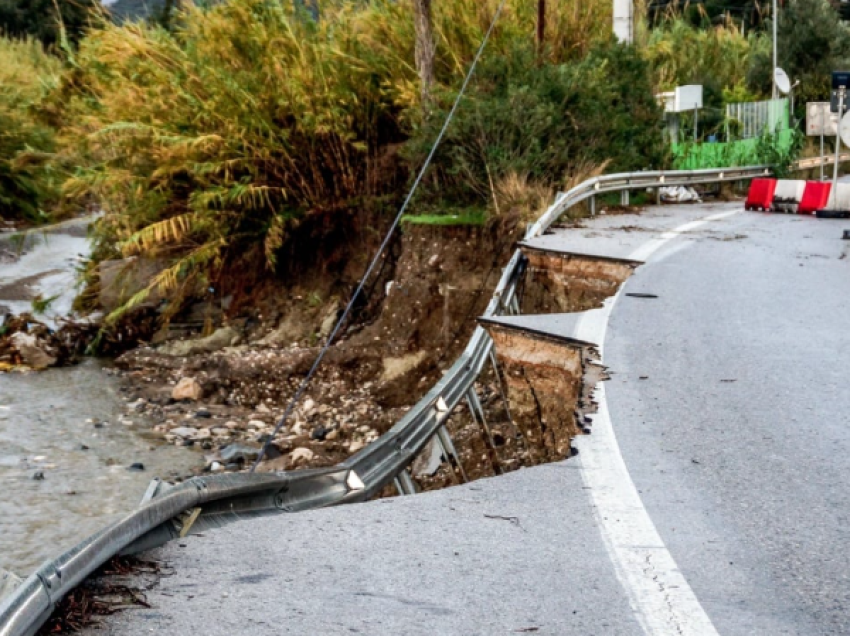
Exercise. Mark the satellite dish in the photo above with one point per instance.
(782, 81)
(844, 129)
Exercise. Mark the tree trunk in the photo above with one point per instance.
(425, 47)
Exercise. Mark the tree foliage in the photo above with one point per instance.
(39, 19)
(812, 44)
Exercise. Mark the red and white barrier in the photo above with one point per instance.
(816, 197)
(760, 195)
(787, 195)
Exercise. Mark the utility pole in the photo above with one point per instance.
(425, 48)
(775, 60)
(541, 25)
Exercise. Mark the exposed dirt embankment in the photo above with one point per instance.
(225, 392)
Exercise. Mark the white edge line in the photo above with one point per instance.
(661, 598)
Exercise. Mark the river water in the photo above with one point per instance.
(67, 426)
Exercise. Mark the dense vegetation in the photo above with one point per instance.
(40, 20)
(208, 135)
(28, 184)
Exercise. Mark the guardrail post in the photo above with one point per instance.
(404, 483)
(624, 197)
(501, 385)
(477, 411)
(514, 305)
(593, 205)
(450, 451)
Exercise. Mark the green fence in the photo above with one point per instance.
(744, 152)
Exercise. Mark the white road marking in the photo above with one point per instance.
(659, 594)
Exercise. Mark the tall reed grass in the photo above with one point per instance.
(27, 77)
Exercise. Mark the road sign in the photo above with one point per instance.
(839, 79)
(820, 120)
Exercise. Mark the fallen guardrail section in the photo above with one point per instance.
(169, 512)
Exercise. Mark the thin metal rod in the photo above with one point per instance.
(449, 449)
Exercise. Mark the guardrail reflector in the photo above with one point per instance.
(354, 482)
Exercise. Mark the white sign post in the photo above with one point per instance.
(820, 122)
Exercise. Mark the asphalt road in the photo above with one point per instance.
(738, 438)
(711, 497)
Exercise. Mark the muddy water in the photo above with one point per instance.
(47, 427)
(44, 428)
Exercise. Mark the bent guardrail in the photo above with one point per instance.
(169, 512)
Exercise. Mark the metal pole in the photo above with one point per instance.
(696, 122)
(822, 124)
(775, 21)
(832, 195)
(445, 441)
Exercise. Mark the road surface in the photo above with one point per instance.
(710, 498)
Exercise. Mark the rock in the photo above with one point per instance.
(38, 475)
(185, 431)
(216, 467)
(356, 445)
(301, 455)
(434, 261)
(329, 321)
(120, 280)
(332, 435)
(136, 466)
(203, 414)
(220, 431)
(239, 453)
(33, 351)
(319, 433)
(256, 424)
(218, 340)
(231, 425)
(187, 389)
(83, 447)
(262, 408)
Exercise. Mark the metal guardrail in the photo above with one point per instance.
(169, 512)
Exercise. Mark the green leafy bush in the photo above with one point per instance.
(542, 121)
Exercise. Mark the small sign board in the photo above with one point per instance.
(839, 79)
(820, 120)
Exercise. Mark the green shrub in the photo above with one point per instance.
(542, 121)
(27, 75)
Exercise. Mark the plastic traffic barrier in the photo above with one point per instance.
(838, 205)
(787, 195)
(760, 195)
(815, 197)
